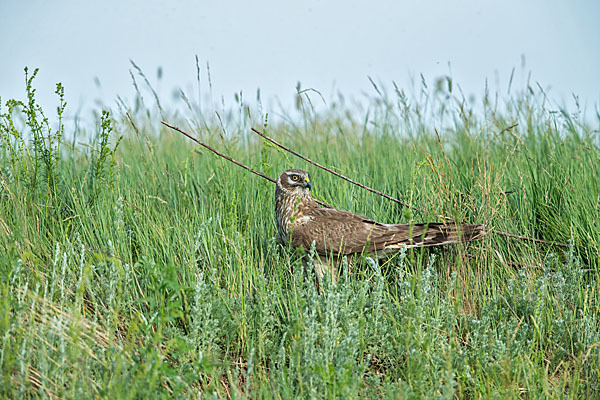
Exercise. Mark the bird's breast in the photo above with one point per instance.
(283, 217)
(290, 212)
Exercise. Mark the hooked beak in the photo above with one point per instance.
(307, 183)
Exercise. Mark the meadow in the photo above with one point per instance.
(135, 264)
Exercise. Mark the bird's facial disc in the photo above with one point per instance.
(299, 181)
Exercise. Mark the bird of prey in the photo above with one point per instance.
(301, 222)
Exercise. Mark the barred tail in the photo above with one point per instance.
(438, 234)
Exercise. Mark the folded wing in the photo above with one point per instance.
(342, 233)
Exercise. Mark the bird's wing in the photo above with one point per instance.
(341, 233)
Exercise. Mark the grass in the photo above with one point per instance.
(133, 267)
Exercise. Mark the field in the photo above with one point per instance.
(135, 264)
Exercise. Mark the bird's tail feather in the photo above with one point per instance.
(438, 234)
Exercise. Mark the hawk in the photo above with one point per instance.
(336, 233)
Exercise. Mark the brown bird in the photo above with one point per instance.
(336, 233)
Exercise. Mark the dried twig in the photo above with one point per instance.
(239, 164)
(520, 237)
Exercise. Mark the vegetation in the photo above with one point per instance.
(131, 266)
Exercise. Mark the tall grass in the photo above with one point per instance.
(134, 267)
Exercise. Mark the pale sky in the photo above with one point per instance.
(327, 45)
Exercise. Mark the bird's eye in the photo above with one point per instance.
(295, 178)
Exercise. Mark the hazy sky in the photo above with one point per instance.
(271, 45)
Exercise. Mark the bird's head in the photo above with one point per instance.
(295, 181)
